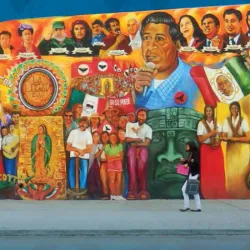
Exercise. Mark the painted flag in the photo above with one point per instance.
(226, 84)
(93, 104)
(125, 104)
(90, 68)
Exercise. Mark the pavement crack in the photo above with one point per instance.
(232, 205)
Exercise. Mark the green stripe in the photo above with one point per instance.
(240, 72)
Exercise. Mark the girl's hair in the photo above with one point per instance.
(44, 128)
(23, 27)
(103, 133)
(192, 145)
(239, 108)
(208, 106)
(95, 132)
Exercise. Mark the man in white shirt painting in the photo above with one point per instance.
(79, 144)
(134, 33)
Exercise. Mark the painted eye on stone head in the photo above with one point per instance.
(185, 139)
(102, 66)
(135, 70)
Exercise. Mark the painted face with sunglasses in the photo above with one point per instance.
(68, 118)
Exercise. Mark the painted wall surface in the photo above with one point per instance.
(20, 9)
(102, 106)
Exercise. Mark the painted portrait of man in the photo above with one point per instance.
(170, 84)
(5, 46)
(234, 38)
(56, 42)
(116, 43)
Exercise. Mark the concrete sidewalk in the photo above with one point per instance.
(122, 217)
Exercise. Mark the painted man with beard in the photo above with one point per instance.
(138, 137)
(81, 39)
(54, 42)
(172, 129)
(79, 144)
(115, 41)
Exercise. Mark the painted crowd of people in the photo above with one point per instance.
(106, 145)
(110, 153)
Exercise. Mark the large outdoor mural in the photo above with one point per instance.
(102, 106)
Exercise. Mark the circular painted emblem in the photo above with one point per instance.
(38, 89)
(180, 97)
(107, 128)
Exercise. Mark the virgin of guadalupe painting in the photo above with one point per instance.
(41, 148)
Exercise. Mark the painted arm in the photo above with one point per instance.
(115, 158)
(98, 154)
(70, 148)
(202, 138)
(128, 139)
(119, 39)
(245, 138)
(141, 144)
(87, 150)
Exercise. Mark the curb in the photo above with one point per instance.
(93, 233)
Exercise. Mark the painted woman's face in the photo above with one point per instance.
(209, 112)
(96, 138)
(186, 27)
(234, 110)
(105, 138)
(113, 139)
(27, 36)
(40, 130)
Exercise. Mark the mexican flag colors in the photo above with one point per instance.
(229, 83)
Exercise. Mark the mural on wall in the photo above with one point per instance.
(102, 106)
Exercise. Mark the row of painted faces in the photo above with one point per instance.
(187, 32)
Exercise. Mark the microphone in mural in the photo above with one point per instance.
(118, 31)
(150, 66)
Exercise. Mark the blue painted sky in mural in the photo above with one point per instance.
(17, 9)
